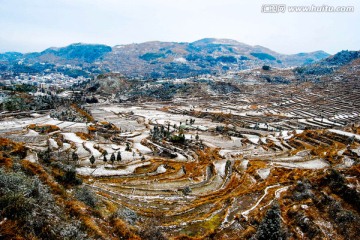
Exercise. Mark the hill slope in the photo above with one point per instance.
(162, 59)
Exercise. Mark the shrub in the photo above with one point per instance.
(127, 215)
(69, 176)
(87, 196)
(178, 138)
(28, 204)
(45, 156)
(270, 227)
(186, 190)
(266, 67)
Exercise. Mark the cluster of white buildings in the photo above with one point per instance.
(48, 81)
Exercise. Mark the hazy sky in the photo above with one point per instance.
(34, 25)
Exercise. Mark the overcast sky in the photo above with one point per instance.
(34, 25)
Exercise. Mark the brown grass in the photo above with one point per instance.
(38, 170)
(44, 129)
(11, 230)
(12, 148)
(83, 113)
(92, 128)
(5, 162)
(80, 210)
(83, 136)
(253, 107)
(121, 229)
(208, 155)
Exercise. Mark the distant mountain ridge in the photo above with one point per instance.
(161, 59)
(330, 64)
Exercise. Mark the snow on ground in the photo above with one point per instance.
(246, 213)
(284, 133)
(220, 141)
(291, 158)
(109, 149)
(180, 59)
(115, 147)
(32, 157)
(341, 152)
(280, 190)
(220, 167)
(125, 155)
(161, 169)
(313, 164)
(180, 157)
(252, 138)
(236, 141)
(227, 153)
(263, 173)
(31, 133)
(94, 152)
(189, 136)
(244, 164)
(53, 122)
(102, 171)
(346, 163)
(143, 135)
(65, 124)
(308, 123)
(324, 120)
(141, 148)
(53, 144)
(343, 133)
(82, 152)
(129, 134)
(356, 151)
(160, 117)
(65, 147)
(261, 126)
(254, 113)
(72, 137)
(202, 128)
(78, 125)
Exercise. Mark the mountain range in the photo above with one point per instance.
(154, 59)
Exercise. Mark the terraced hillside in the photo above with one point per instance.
(280, 161)
(260, 154)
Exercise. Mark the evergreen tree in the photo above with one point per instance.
(75, 157)
(92, 159)
(128, 147)
(270, 227)
(118, 157)
(112, 158)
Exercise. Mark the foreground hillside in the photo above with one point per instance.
(223, 167)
